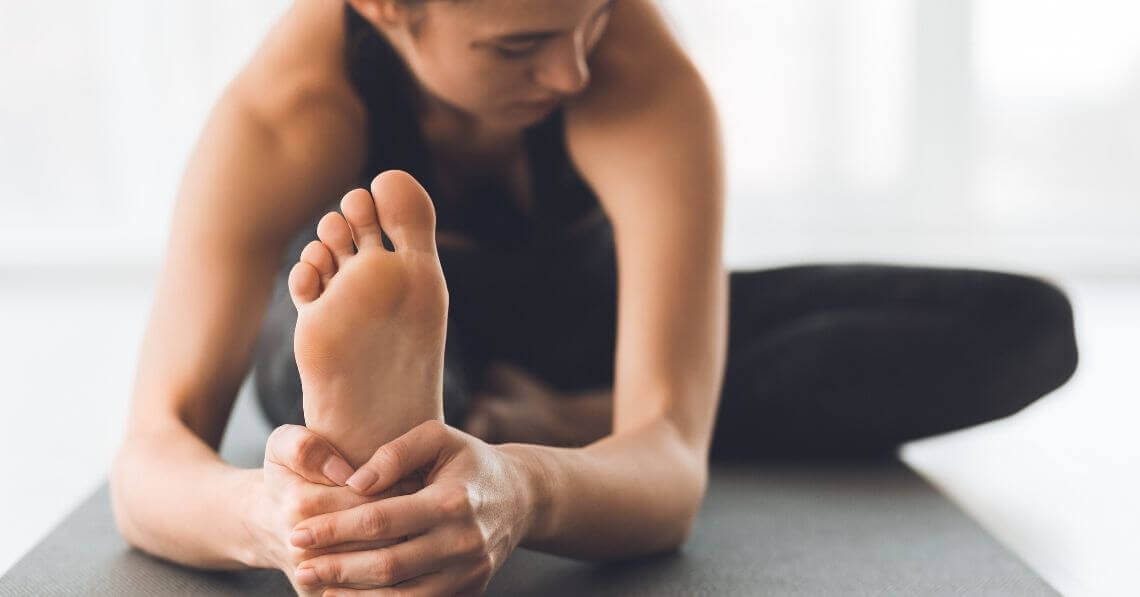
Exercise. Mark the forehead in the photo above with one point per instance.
(490, 18)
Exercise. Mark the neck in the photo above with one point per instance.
(447, 127)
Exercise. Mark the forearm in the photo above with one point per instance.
(175, 498)
(629, 494)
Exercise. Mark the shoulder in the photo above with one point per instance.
(637, 59)
(637, 40)
(640, 78)
(296, 83)
(645, 92)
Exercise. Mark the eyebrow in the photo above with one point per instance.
(525, 36)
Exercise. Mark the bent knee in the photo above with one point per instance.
(1040, 344)
(1051, 329)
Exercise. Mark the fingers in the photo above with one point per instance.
(304, 501)
(401, 457)
(381, 567)
(511, 381)
(390, 518)
(453, 581)
(501, 424)
(307, 454)
(480, 421)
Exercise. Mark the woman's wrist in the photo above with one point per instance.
(251, 549)
(536, 468)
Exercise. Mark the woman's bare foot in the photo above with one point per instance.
(371, 324)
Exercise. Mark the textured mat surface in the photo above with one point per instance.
(763, 530)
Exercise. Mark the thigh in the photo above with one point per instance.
(762, 301)
(765, 298)
(857, 358)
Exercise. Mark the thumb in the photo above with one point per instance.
(307, 454)
(421, 447)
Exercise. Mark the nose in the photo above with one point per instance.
(565, 70)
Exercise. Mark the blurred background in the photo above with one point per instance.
(1002, 134)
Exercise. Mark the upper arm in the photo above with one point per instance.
(645, 137)
(271, 156)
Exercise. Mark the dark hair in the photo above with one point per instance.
(417, 24)
(383, 81)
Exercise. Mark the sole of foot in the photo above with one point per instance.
(371, 322)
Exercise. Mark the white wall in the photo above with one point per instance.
(1001, 133)
(102, 103)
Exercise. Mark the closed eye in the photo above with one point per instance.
(517, 50)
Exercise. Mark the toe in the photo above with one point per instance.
(304, 284)
(405, 210)
(317, 255)
(334, 232)
(360, 211)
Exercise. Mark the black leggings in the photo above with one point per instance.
(853, 360)
(832, 361)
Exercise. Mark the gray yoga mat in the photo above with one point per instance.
(865, 529)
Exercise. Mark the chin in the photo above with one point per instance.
(527, 115)
(504, 122)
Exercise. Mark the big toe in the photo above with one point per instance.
(406, 212)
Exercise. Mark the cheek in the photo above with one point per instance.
(450, 82)
(475, 82)
(495, 83)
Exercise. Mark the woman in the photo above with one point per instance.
(539, 156)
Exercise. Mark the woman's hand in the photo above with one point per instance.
(473, 511)
(302, 476)
(515, 406)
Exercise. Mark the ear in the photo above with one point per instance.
(381, 13)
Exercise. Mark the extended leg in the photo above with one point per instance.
(838, 361)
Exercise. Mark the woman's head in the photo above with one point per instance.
(494, 59)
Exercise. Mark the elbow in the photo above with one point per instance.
(120, 494)
(682, 525)
(671, 530)
(693, 486)
(685, 534)
(687, 522)
(676, 538)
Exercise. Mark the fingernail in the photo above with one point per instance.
(337, 470)
(302, 538)
(307, 576)
(362, 479)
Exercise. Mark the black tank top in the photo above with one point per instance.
(540, 288)
(486, 214)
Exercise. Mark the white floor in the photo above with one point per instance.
(1057, 483)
